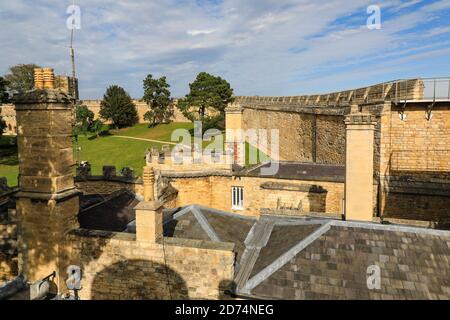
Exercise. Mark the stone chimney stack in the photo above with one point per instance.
(49, 78)
(149, 215)
(149, 221)
(47, 203)
(148, 178)
(38, 78)
(359, 167)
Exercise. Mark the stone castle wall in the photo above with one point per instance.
(116, 266)
(141, 107)
(305, 135)
(8, 113)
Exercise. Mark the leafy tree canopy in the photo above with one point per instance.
(157, 97)
(84, 119)
(118, 107)
(207, 93)
(21, 77)
(2, 126)
(4, 97)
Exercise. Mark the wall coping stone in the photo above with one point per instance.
(199, 244)
(42, 98)
(180, 242)
(293, 187)
(336, 110)
(111, 179)
(149, 205)
(196, 174)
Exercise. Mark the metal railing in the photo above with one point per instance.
(421, 89)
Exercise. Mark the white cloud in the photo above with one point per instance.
(261, 46)
(200, 32)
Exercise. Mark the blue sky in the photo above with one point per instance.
(262, 47)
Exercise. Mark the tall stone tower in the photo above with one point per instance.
(48, 202)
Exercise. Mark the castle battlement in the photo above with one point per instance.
(187, 160)
(409, 89)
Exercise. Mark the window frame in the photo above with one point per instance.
(237, 198)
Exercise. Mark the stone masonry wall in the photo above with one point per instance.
(295, 131)
(260, 193)
(98, 185)
(141, 107)
(415, 162)
(8, 250)
(330, 135)
(417, 146)
(116, 266)
(304, 137)
(8, 114)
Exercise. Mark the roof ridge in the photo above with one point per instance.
(257, 238)
(285, 258)
(205, 224)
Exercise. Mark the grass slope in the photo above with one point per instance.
(106, 150)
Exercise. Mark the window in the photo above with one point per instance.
(237, 198)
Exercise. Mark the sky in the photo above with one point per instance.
(262, 47)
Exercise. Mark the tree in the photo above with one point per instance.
(4, 96)
(207, 92)
(2, 126)
(21, 77)
(97, 127)
(84, 119)
(118, 107)
(157, 97)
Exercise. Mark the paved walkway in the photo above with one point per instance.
(149, 140)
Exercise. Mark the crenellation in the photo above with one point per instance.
(187, 160)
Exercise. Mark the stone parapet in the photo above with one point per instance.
(404, 89)
(166, 160)
(42, 99)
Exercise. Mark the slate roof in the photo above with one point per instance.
(112, 213)
(412, 265)
(201, 223)
(301, 171)
(317, 258)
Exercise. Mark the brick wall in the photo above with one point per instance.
(116, 266)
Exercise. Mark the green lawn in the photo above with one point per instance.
(9, 163)
(105, 150)
(161, 132)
